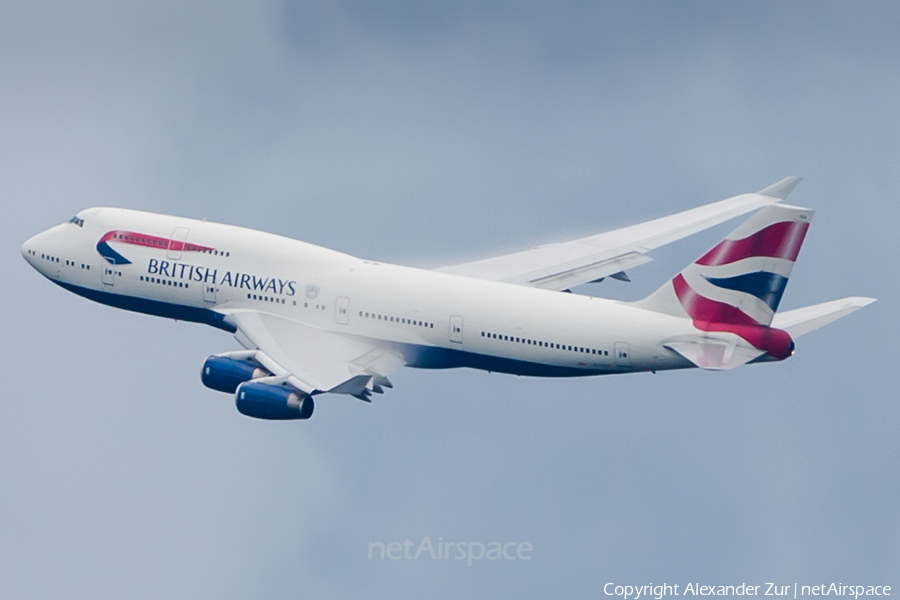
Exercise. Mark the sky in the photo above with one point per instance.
(430, 133)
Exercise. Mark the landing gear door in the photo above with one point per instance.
(456, 329)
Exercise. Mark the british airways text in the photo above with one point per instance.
(232, 279)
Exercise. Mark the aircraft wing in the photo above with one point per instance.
(314, 360)
(568, 264)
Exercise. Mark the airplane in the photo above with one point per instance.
(314, 321)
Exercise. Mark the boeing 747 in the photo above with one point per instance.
(315, 321)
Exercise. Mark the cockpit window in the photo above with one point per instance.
(77, 221)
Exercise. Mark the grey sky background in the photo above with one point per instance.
(425, 134)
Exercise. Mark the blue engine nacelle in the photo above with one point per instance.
(263, 401)
(226, 374)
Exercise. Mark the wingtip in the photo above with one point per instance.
(862, 301)
(781, 189)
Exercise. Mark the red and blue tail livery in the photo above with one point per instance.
(736, 287)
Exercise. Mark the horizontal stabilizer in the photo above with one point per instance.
(801, 321)
(714, 354)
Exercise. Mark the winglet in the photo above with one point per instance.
(781, 189)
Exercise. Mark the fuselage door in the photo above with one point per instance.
(107, 272)
(342, 310)
(623, 354)
(176, 243)
(209, 291)
(456, 329)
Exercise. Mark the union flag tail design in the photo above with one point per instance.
(736, 287)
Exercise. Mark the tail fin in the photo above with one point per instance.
(741, 280)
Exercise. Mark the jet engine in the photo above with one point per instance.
(225, 374)
(272, 402)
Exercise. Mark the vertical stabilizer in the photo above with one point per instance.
(741, 280)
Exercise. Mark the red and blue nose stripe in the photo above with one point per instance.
(141, 239)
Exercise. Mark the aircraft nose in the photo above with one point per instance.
(35, 248)
(29, 248)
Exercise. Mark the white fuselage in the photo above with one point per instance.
(435, 320)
